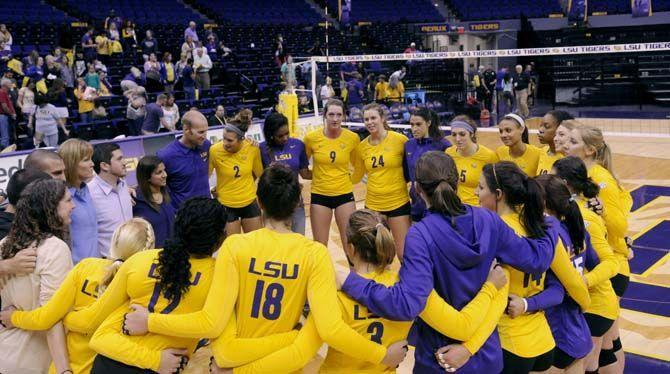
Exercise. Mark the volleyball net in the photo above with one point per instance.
(620, 88)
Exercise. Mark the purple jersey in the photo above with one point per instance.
(292, 154)
(452, 255)
(414, 149)
(567, 323)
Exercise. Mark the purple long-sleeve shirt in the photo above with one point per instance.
(414, 149)
(455, 261)
(567, 323)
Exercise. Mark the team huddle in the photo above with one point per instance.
(511, 260)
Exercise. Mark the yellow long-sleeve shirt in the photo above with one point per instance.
(266, 277)
(603, 299)
(617, 203)
(546, 161)
(528, 161)
(136, 282)
(469, 170)
(235, 172)
(333, 159)
(386, 187)
(461, 325)
(79, 290)
(529, 335)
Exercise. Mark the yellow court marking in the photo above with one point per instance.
(648, 228)
(647, 315)
(656, 265)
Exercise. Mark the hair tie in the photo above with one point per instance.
(495, 177)
(379, 225)
(572, 198)
(119, 260)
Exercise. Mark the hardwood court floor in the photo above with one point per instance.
(638, 161)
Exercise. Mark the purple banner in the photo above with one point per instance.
(578, 10)
(641, 8)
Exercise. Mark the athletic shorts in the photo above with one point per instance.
(250, 211)
(514, 364)
(598, 325)
(332, 202)
(620, 284)
(105, 365)
(561, 359)
(403, 210)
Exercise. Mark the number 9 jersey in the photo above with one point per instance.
(332, 160)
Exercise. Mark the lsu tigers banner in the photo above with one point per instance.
(641, 8)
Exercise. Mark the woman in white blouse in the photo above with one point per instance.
(42, 220)
(171, 111)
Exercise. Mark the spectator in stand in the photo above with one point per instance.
(489, 84)
(532, 88)
(98, 65)
(317, 49)
(521, 82)
(396, 90)
(36, 73)
(46, 161)
(132, 80)
(57, 94)
(327, 91)
(225, 51)
(155, 119)
(58, 55)
(135, 111)
(170, 112)
(381, 88)
(149, 45)
(202, 64)
(88, 45)
(99, 112)
(113, 31)
(288, 72)
(31, 59)
(188, 47)
(6, 37)
(66, 75)
(152, 72)
(115, 46)
(153, 198)
(105, 84)
(500, 77)
(187, 79)
(112, 19)
(279, 51)
(92, 78)
(84, 100)
(26, 99)
(187, 160)
(113, 205)
(411, 48)
(355, 91)
(17, 183)
(46, 119)
(211, 46)
(6, 111)
(5, 56)
(219, 116)
(51, 70)
(76, 154)
(191, 31)
(347, 71)
(128, 37)
(167, 72)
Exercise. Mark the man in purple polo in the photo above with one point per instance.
(109, 193)
(155, 120)
(187, 160)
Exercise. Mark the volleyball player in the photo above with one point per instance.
(426, 136)
(237, 163)
(280, 147)
(562, 135)
(546, 135)
(451, 250)
(82, 286)
(526, 340)
(515, 148)
(469, 156)
(370, 251)
(382, 154)
(587, 143)
(266, 276)
(173, 280)
(334, 151)
(604, 308)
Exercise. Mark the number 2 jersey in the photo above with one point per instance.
(235, 187)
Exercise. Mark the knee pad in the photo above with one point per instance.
(606, 357)
(616, 344)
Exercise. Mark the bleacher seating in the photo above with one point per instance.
(390, 11)
(271, 12)
(473, 10)
(610, 6)
(31, 12)
(165, 12)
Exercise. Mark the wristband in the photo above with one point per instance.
(525, 305)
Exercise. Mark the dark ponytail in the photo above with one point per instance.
(433, 119)
(199, 230)
(278, 191)
(563, 204)
(521, 193)
(524, 136)
(573, 171)
(437, 176)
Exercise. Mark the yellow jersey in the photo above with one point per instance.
(235, 173)
(266, 277)
(136, 282)
(395, 94)
(386, 187)
(469, 171)
(617, 203)
(79, 290)
(332, 160)
(604, 301)
(528, 161)
(547, 160)
(380, 91)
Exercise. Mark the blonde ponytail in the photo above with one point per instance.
(373, 242)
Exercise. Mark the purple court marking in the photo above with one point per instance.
(644, 194)
(641, 364)
(650, 247)
(647, 298)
